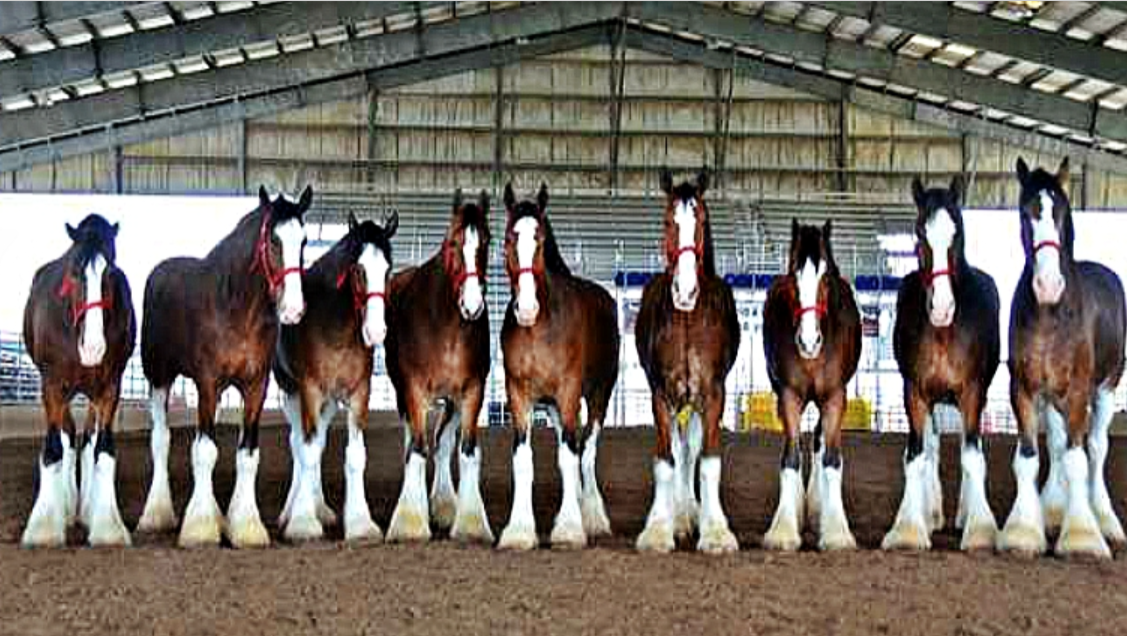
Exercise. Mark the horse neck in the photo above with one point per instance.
(235, 252)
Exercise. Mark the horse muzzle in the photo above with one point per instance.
(527, 313)
(941, 308)
(374, 334)
(91, 354)
(291, 313)
(685, 300)
(1048, 288)
(809, 345)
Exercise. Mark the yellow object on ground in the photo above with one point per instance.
(760, 413)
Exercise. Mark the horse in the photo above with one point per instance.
(560, 347)
(1067, 333)
(437, 348)
(812, 342)
(215, 320)
(326, 359)
(946, 342)
(687, 334)
(80, 329)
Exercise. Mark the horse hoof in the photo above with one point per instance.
(42, 533)
(717, 539)
(303, 528)
(568, 536)
(158, 519)
(521, 539)
(362, 531)
(408, 526)
(1022, 539)
(1111, 529)
(108, 533)
(443, 509)
(837, 541)
(657, 537)
(595, 521)
(199, 532)
(326, 515)
(979, 537)
(1079, 540)
(471, 528)
(1053, 513)
(782, 539)
(907, 536)
(248, 533)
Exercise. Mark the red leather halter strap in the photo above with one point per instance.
(262, 262)
(359, 297)
(929, 277)
(818, 310)
(1043, 244)
(526, 270)
(688, 248)
(66, 288)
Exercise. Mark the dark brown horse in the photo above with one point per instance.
(215, 320)
(812, 341)
(1067, 326)
(438, 349)
(326, 359)
(947, 343)
(687, 334)
(80, 330)
(560, 346)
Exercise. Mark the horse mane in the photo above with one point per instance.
(238, 245)
(553, 259)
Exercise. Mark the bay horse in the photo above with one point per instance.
(215, 320)
(812, 342)
(80, 329)
(326, 359)
(437, 348)
(946, 342)
(560, 347)
(687, 334)
(1067, 332)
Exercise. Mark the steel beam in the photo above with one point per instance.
(22, 16)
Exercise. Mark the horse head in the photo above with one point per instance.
(367, 272)
(280, 251)
(466, 252)
(939, 236)
(530, 250)
(686, 237)
(85, 286)
(1046, 229)
(811, 266)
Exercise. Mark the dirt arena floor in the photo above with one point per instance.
(441, 588)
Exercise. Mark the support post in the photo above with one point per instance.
(373, 135)
(498, 127)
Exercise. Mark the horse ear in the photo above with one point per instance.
(352, 222)
(391, 224)
(457, 199)
(483, 201)
(1062, 173)
(510, 197)
(72, 233)
(115, 227)
(791, 261)
(306, 199)
(1022, 171)
(666, 181)
(702, 182)
(263, 197)
(918, 191)
(542, 197)
(958, 189)
(793, 232)
(827, 229)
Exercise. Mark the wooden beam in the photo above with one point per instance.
(24, 16)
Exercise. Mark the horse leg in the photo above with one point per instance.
(785, 532)
(975, 517)
(411, 519)
(244, 523)
(158, 515)
(70, 468)
(358, 524)
(567, 532)
(658, 533)
(46, 527)
(470, 521)
(86, 463)
(324, 419)
(715, 536)
(443, 502)
(933, 487)
(302, 520)
(595, 521)
(1080, 531)
(202, 519)
(1103, 409)
(833, 524)
(1024, 532)
(814, 482)
(910, 529)
(1054, 497)
(520, 533)
(291, 409)
(106, 527)
(685, 443)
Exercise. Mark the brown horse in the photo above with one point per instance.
(215, 320)
(326, 359)
(1067, 326)
(80, 330)
(687, 334)
(812, 341)
(438, 349)
(947, 343)
(560, 346)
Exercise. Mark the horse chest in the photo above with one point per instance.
(1053, 358)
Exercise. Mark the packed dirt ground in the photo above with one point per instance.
(442, 588)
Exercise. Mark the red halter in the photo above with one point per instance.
(359, 298)
(687, 249)
(526, 270)
(818, 310)
(262, 261)
(929, 277)
(66, 288)
(1043, 244)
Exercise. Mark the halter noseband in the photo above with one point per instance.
(818, 310)
(78, 311)
(930, 277)
(1044, 244)
(359, 298)
(262, 262)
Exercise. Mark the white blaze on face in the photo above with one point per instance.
(92, 346)
(528, 308)
(292, 305)
(375, 265)
(1048, 281)
(472, 300)
(809, 332)
(685, 289)
(940, 234)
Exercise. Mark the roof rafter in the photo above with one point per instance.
(22, 16)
